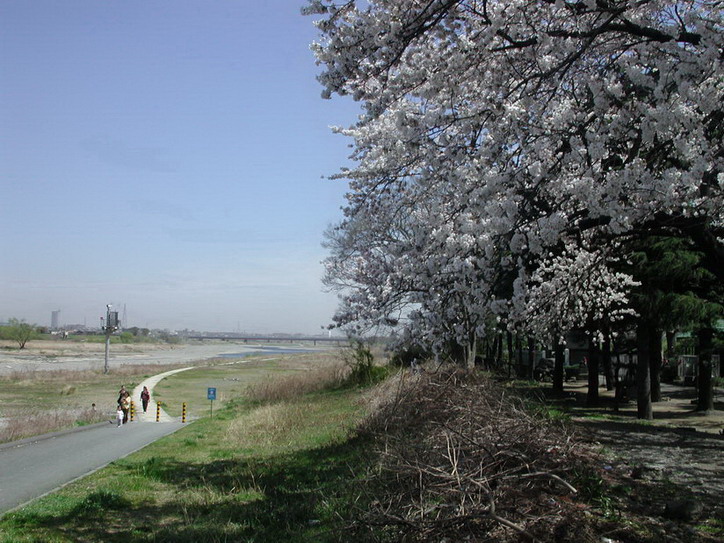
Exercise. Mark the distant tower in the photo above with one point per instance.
(124, 322)
(55, 319)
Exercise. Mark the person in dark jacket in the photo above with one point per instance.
(145, 398)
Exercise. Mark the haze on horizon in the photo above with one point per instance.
(167, 158)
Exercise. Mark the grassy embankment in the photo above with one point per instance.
(274, 465)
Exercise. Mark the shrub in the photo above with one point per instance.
(363, 370)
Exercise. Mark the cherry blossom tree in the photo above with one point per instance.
(508, 148)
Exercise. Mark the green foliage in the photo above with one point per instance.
(139, 332)
(677, 291)
(685, 345)
(364, 372)
(714, 527)
(19, 331)
(552, 414)
(593, 489)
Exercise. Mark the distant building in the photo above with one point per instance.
(55, 320)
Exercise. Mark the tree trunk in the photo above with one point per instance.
(607, 363)
(471, 350)
(594, 359)
(531, 358)
(619, 385)
(499, 350)
(670, 345)
(511, 356)
(655, 365)
(519, 355)
(705, 401)
(643, 377)
(558, 376)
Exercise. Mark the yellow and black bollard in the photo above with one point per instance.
(183, 412)
(158, 411)
(133, 411)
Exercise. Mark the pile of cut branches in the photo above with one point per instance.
(462, 460)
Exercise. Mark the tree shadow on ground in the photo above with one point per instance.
(288, 497)
(678, 403)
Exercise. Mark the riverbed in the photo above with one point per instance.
(41, 355)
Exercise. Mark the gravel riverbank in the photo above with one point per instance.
(71, 355)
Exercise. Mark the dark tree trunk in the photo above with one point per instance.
(643, 377)
(607, 363)
(531, 358)
(558, 377)
(670, 345)
(655, 365)
(499, 350)
(490, 348)
(705, 401)
(620, 393)
(520, 372)
(511, 356)
(594, 360)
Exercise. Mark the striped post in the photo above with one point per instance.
(183, 413)
(133, 411)
(158, 411)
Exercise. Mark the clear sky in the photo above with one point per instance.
(166, 157)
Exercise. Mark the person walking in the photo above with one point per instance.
(119, 415)
(145, 398)
(121, 394)
(125, 405)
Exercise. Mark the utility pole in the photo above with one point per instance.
(111, 325)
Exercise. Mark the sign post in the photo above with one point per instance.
(211, 395)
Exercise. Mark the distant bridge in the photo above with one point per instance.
(271, 339)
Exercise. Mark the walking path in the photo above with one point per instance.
(150, 415)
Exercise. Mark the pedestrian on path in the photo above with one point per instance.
(145, 398)
(121, 394)
(125, 405)
(119, 415)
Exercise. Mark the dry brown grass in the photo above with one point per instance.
(42, 422)
(285, 387)
(75, 376)
(263, 426)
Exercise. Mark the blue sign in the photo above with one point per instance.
(211, 393)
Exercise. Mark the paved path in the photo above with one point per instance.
(150, 415)
(33, 467)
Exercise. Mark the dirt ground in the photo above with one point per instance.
(72, 355)
(672, 467)
(675, 411)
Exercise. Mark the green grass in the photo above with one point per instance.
(713, 527)
(191, 386)
(231, 378)
(261, 472)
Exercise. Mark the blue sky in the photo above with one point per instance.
(167, 157)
